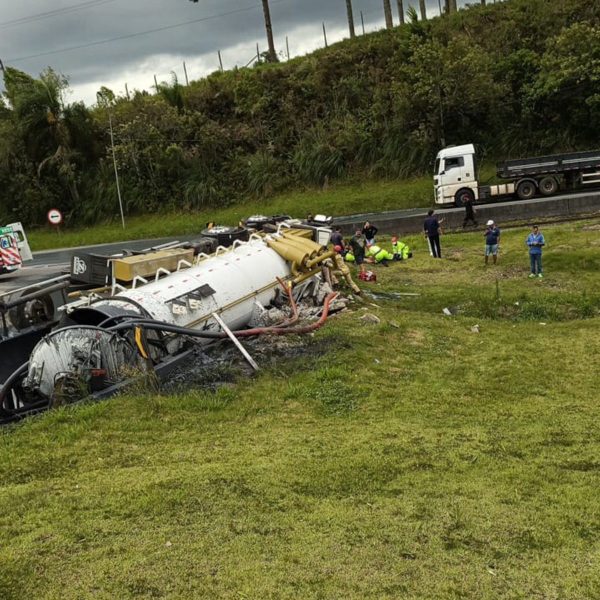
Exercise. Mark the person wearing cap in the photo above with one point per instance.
(400, 250)
(492, 241)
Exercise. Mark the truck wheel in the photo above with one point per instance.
(548, 186)
(526, 189)
(463, 196)
(225, 236)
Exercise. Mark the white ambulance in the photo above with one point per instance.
(14, 248)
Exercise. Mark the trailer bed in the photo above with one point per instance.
(556, 163)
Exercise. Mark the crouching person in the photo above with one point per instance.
(400, 250)
(378, 254)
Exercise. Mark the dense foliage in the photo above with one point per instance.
(517, 77)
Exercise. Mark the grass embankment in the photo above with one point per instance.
(412, 459)
(342, 199)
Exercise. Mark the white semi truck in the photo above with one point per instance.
(455, 178)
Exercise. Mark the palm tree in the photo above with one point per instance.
(44, 123)
(350, 17)
(272, 55)
(269, 28)
(401, 11)
(387, 10)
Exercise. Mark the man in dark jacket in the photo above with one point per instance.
(469, 213)
(369, 231)
(357, 246)
(431, 228)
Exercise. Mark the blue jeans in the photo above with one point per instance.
(536, 263)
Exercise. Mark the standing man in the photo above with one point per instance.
(431, 227)
(357, 247)
(369, 231)
(535, 242)
(492, 241)
(469, 212)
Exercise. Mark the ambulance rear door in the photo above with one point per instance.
(22, 242)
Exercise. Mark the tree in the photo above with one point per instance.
(350, 18)
(272, 55)
(387, 10)
(401, 11)
(423, 10)
(44, 123)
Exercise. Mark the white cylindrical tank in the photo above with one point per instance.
(229, 284)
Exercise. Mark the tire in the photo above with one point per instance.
(526, 189)
(463, 196)
(548, 186)
(225, 235)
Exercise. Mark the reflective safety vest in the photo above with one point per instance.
(401, 249)
(378, 253)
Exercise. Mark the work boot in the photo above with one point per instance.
(531, 275)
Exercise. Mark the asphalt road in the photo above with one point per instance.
(50, 263)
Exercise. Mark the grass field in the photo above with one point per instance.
(338, 199)
(410, 459)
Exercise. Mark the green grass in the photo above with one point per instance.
(410, 459)
(338, 199)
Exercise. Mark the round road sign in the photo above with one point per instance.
(55, 216)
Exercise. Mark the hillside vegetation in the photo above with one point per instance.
(516, 77)
(409, 459)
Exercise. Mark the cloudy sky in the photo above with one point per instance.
(114, 42)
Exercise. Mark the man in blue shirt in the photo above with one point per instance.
(535, 242)
(492, 241)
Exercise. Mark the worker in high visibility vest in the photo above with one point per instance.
(379, 254)
(400, 250)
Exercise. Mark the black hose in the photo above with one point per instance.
(7, 386)
(168, 327)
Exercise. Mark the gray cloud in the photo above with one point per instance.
(235, 34)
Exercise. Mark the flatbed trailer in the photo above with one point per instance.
(455, 178)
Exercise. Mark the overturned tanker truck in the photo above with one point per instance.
(100, 343)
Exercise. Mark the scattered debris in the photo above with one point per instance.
(394, 324)
(475, 329)
(447, 312)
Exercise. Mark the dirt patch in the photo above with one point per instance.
(416, 337)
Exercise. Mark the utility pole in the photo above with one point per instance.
(350, 18)
(401, 11)
(2, 67)
(324, 34)
(387, 11)
(362, 22)
(423, 10)
(269, 28)
(104, 101)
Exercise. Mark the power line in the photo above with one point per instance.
(53, 13)
(139, 33)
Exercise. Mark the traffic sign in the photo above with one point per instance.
(55, 216)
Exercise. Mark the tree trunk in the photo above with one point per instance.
(269, 28)
(401, 11)
(453, 7)
(423, 10)
(482, 2)
(387, 9)
(350, 18)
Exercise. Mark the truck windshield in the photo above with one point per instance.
(437, 166)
